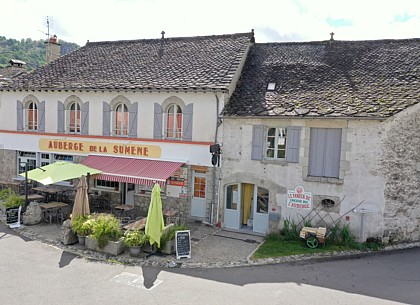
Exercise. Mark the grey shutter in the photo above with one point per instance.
(324, 152)
(157, 125)
(60, 117)
(41, 117)
(19, 112)
(293, 144)
(187, 122)
(132, 120)
(332, 153)
(106, 119)
(257, 142)
(84, 118)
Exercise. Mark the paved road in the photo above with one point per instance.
(34, 273)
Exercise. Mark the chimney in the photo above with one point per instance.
(162, 42)
(53, 49)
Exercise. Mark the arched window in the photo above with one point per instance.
(173, 122)
(32, 116)
(121, 120)
(75, 115)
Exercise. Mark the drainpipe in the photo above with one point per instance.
(218, 123)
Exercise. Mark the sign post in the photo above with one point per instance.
(183, 244)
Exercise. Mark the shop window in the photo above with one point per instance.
(26, 158)
(67, 158)
(105, 184)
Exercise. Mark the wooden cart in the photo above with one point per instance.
(313, 236)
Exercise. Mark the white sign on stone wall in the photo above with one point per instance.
(299, 199)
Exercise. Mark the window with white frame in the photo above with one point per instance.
(74, 118)
(173, 121)
(26, 158)
(59, 157)
(32, 116)
(105, 184)
(121, 120)
(276, 143)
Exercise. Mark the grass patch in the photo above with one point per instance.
(276, 246)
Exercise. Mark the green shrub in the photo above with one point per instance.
(170, 234)
(5, 193)
(135, 238)
(13, 201)
(290, 230)
(106, 228)
(82, 225)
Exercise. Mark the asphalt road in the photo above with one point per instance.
(34, 273)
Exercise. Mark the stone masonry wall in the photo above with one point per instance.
(400, 163)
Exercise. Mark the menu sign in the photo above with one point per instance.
(183, 244)
(13, 217)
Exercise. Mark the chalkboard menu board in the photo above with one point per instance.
(13, 216)
(183, 244)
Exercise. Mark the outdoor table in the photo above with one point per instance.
(53, 209)
(122, 209)
(34, 197)
(15, 185)
(136, 225)
(171, 216)
(48, 191)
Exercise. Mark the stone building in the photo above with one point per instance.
(142, 111)
(325, 131)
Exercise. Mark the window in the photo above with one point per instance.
(271, 86)
(173, 122)
(199, 187)
(276, 143)
(74, 120)
(324, 152)
(107, 184)
(67, 158)
(45, 159)
(232, 194)
(32, 116)
(25, 157)
(121, 120)
(262, 200)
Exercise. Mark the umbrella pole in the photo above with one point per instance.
(154, 251)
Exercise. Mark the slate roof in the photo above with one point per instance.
(184, 63)
(329, 79)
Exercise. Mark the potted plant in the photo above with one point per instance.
(167, 240)
(135, 240)
(82, 226)
(106, 235)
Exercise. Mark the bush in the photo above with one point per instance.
(290, 230)
(106, 228)
(170, 234)
(82, 225)
(13, 201)
(135, 238)
(5, 193)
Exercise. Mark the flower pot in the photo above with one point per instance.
(81, 240)
(169, 247)
(135, 250)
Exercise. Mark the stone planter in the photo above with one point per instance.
(82, 240)
(113, 247)
(169, 247)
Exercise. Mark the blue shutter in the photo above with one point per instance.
(324, 152)
(257, 142)
(293, 144)
(132, 120)
(60, 117)
(157, 125)
(41, 117)
(106, 119)
(84, 119)
(19, 113)
(187, 122)
(332, 153)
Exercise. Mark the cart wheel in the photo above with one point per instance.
(312, 242)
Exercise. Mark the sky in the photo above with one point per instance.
(80, 21)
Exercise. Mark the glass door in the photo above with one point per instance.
(232, 206)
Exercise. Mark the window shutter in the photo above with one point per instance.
(157, 126)
(60, 117)
(19, 112)
(187, 117)
(41, 117)
(84, 119)
(293, 144)
(132, 120)
(257, 142)
(106, 119)
(332, 153)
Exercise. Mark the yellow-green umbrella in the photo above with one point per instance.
(154, 222)
(59, 171)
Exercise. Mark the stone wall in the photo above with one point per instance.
(400, 165)
(7, 164)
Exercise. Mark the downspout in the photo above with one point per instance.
(218, 123)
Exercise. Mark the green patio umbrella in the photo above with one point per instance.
(154, 222)
(59, 171)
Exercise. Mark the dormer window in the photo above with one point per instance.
(271, 86)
